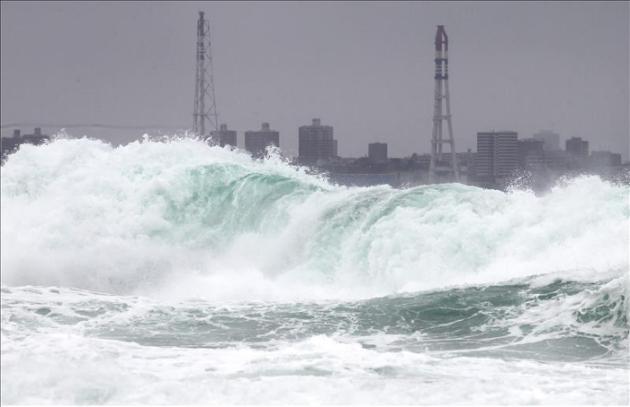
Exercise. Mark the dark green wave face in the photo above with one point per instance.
(561, 320)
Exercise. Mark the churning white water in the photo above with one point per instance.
(175, 272)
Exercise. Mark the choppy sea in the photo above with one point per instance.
(169, 272)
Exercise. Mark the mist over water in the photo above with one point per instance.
(201, 275)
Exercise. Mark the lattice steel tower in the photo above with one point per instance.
(441, 113)
(205, 116)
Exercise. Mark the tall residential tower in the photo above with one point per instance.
(497, 157)
(257, 141)
(316, 142)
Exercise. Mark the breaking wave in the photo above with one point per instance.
(180, 219)
(175, 272)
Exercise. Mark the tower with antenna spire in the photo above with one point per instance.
(439, 168)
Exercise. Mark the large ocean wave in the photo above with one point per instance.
(180, 218)
(174, 272)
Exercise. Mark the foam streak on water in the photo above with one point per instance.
(173, 272)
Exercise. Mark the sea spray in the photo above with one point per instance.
(169, 271)
(175, 216)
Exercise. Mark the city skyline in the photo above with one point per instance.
(379, 94)
(427, 203)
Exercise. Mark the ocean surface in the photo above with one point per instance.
(174, 272)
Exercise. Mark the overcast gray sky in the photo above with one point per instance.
(364, 68)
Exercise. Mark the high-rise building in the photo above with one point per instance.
(485, 157)
(531, 154)
(316, 142)
(223, 136)
(256, 141)
(551, 140)
(377, 152)
(577, 147)
(497, 156)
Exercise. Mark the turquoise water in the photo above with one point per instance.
(173, 272)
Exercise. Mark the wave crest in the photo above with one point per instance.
(182, 218)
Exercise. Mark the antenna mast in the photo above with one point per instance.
(442, 110)
(205, 116)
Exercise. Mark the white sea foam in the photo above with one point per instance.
(68, 346)
(72, 369)
(178, 219)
